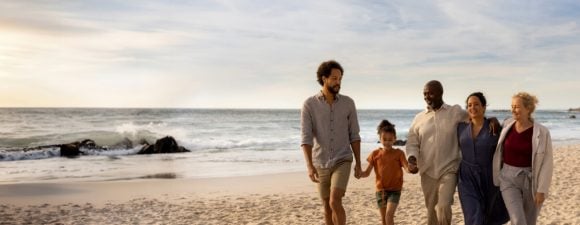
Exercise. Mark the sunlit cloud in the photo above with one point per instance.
(247, 54)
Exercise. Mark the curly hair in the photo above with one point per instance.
(386, 127)
(325, 68)
(529, 101)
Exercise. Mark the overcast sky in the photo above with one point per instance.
(264, 54)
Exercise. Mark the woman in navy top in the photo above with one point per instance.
(480, 200)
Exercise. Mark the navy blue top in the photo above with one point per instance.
(478, 151)
(480, 200)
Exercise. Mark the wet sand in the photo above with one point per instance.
(288, 198)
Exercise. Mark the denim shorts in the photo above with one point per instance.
(387, 196)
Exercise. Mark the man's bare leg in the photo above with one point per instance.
(338, 213)
(327, 211)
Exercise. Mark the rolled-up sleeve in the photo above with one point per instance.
(306, 124)
(413, 142)
(353, 127)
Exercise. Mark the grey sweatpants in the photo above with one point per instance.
(516, 190)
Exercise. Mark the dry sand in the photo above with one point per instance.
(272, 199)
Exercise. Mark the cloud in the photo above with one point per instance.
(250, 54)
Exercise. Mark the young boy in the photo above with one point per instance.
(387, 162)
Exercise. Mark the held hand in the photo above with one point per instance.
(413, 165)
(412, 160)
(413, 168)
(313, 174)
(365, 174)
(357, 171)
(540, 197)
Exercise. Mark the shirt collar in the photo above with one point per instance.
(320, 96)
(443, 106)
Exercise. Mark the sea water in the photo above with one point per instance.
(223, 142)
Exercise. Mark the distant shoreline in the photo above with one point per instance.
(268, 109)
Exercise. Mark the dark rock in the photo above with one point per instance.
(163, 145)
(572, 116)
(88, 143)
(70, 150)
(147, 149)
(400, 143)
(166, 145)
(397, 142)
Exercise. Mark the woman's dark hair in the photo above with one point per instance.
(387, 127)
(480, 96)
(325, 68)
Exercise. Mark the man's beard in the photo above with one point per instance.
(334, 89)
(434, 104)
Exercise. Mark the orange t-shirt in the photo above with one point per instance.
(387, 165)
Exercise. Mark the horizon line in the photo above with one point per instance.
(233, 108)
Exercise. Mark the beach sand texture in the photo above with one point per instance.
(271, 199)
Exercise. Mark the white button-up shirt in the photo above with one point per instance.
(433, 140)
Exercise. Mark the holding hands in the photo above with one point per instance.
(358, 171)
(365, 173)
(413, 165)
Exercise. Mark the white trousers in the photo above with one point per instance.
(439, 197)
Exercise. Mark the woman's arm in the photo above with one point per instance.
(546, 167)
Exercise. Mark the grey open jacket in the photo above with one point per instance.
(542, 157)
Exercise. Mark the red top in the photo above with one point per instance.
(517, 148)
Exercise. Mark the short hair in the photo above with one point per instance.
(325, 69)
(435, 84)
(386, 127)
(529, 101)
(480, 96)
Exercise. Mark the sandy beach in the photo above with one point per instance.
(288, 198)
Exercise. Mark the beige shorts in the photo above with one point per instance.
(335, 177)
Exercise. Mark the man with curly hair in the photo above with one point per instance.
(330, 137)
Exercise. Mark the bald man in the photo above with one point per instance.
(432, 146)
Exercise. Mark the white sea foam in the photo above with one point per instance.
(223, 142)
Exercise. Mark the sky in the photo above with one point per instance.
(264, 54)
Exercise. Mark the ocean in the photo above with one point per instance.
(223, 142)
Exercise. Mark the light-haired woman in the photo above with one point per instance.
(523, 162)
